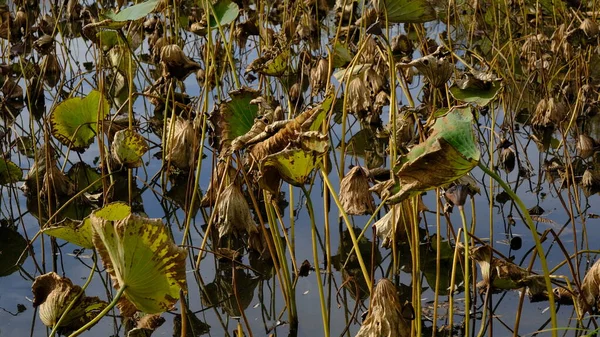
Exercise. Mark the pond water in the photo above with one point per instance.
(508, 67)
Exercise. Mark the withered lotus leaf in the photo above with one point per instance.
(447, 154)
(182, 145)
(355, 196)
(590, 289)
(52, 294)
(139, 254)
(385, 317)
(396, 222)
(233, 212)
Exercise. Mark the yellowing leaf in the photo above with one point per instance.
(139, 255)
(73, 231)
(128, 147)
(75, 121)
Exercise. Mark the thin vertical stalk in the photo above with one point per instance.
(466, 270)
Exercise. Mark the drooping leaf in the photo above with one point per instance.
(9, 172)
(73, 231)
(273, 63)
(406, 11)
(85, 177)
(12, 245)
(479, 88)
(128, 147)
(134, 12)
(385, 313)
(139, 254)
(447, 154)
(74, 121)
(52, 294)
(296, 164)
(590, 289)
(342, 55)
(226, 12)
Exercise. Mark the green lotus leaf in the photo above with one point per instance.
(134, 12)
(447, 154)
(74, 121)
(295, 165)
(12, 245)
(9, 172)
(273, 65)
(342, 55)
(73, 231)
(226, 12)
(140, 256)
(52, 294)
(479, 88)
(407, 11)
(128, 147)
(236, 116)
(323, 110)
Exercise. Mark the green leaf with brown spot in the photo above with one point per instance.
(128, 147)
(75, 121)
(9, 172)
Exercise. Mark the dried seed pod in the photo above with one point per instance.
(386, 317)
(549, 112)
(233, 212)
(175, 63)
(355, 196)
(586, 146)
(318, 76)
(589, 27)
(359, 100)
(457, 194)
(182, 144)
(507, 159)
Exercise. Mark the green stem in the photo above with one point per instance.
(101, 314)
(466, 270)
(313, 226)
(536, 238)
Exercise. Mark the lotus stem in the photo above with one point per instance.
(313, 226)
(101, 314)
(466, 270)
(536, 238)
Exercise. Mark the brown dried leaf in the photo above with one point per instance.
(355, 197)
(385, 317)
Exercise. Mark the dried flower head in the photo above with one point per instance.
(175, 63)
(233, 212)
(359, 99)
(355, 196)
(586, 146)
(386, 315)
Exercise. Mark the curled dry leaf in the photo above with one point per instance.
(182, 143)
(590, 290)
(233, 212)
(355, 196)
(359, 99)
(56, 183)
(436, 67)
(386, 314)
(175, 63)
(549, 112)
(397, 221)
(52, 294)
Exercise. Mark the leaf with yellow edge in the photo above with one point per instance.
(73, 231)
(294, 165)
(128, 147)
(140, 255)
(75, 121)
(80, 232)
